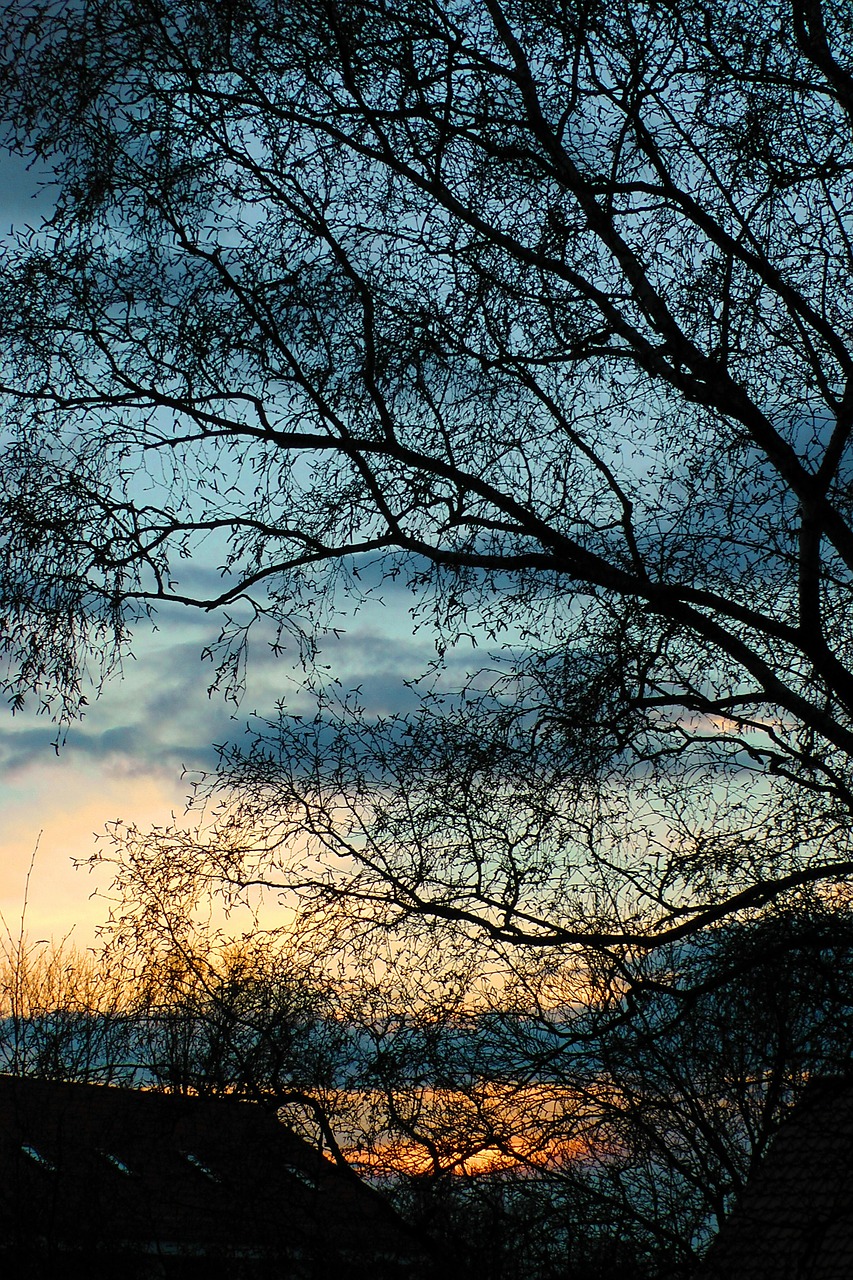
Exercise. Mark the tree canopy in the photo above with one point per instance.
(541, 308)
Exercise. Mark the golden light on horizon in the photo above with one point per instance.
(494, 1128)
(523, 1156)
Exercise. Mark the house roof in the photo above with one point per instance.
(795, 1217)
(88, 1167)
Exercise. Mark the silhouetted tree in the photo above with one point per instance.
(63, 1015)
(620, 1152)
(543, 308)
(518, 1141)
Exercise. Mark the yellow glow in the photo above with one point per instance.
(63, 809)
(495, 1127)
(523, 1156)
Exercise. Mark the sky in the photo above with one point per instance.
(142, 740)
(124, 760)
(148, 732)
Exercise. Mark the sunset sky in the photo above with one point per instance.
(152, 723)
(124, 760)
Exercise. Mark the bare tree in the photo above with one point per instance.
(64, 1016)
(543, 308)
(519, 1138)
(622, 1151)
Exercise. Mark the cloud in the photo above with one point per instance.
(154, 720)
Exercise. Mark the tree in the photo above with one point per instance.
(528, 1125)
(544, 308)
(507, 1139)
(689, 1093)
(621, 1153)
(63, 1016)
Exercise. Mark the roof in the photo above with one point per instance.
(795, 1217)
(92, 1168)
